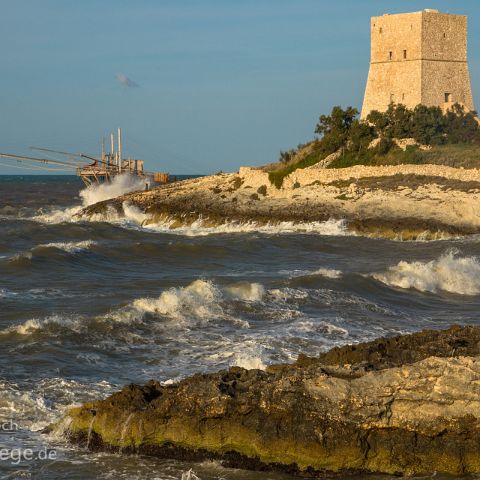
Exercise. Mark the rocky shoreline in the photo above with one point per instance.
(406, 405)
(403, 202)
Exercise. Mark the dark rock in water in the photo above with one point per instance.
(404, 405)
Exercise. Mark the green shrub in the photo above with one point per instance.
(384, 146)
(262, 190)
(343, 130)
(237, 182)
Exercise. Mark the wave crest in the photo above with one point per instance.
(70, 247)
(203, 227)
(449, 273)
(200, 301)
(120, 185)
(250, 292)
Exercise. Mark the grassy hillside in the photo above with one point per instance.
(455, 155)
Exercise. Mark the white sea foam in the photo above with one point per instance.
(200, 301)
(21, 256)
(133, 213)
(46, 400)
(120, 185)
(449, 273)
(248, 361)
(287, 294)
(133, 217)
(327, 272)
(33, 325)
(57, 216)
(201, 228)
(190, 475)
(251, 292)
(70, 247)
(5, 293)
(324, 272)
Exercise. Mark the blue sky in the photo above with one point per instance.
(221, 83)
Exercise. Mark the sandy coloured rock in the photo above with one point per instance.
(403, 405)
(438, 202)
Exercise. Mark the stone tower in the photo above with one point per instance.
(418, 58)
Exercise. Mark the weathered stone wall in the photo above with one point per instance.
(393, 82)
(418, 58)
(444, 37)
(396, 33)
(439, 78)
(308, 176)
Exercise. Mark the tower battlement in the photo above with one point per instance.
(418, 58)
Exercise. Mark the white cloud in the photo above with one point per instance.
(124, 80)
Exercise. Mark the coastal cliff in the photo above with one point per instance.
(403, 405)
(402, 201)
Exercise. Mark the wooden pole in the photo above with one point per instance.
(112, 148)
(119, 150)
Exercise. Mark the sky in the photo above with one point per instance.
(197, 86)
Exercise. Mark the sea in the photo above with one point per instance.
(90, 305)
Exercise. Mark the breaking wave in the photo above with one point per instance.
(449, 273)
(133, 217)
(70, 247)
(203, 227)
(200, 301)
(323, 272)
(35, 409)
(248, 361)
(120, 185)
(250, 292)
(54, 322)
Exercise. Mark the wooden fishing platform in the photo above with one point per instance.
(97, 170)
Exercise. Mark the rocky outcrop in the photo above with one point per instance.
(402, 202)
(404, 405)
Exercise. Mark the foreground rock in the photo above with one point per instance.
(404, 201)
(405, 405)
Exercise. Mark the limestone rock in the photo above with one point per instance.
(404, 405)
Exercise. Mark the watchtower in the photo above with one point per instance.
(418, 57)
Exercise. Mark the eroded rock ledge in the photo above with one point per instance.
(405, 201)
(404, 405)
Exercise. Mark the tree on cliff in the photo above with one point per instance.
(427, 125)
(343, 130)
(335, 128)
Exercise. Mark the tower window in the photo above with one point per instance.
(448, 98)
(390, 55)
(403, 96)
(444, 35)
(404, 54)
(381, 30)
(392, 98)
